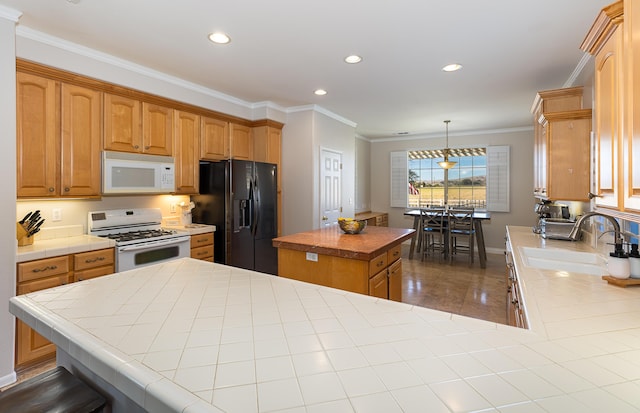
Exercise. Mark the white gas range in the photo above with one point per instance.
(139, 236)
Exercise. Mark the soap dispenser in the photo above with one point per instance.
(618, 264)
(634, 261)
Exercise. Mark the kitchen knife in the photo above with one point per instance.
(32, 224)
(25, 217)
(36, 228)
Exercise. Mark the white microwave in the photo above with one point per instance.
(132, 173)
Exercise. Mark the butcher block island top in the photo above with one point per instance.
(332, 241)
(366, 263)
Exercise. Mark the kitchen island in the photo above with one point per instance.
(192, 336)
(366, 263)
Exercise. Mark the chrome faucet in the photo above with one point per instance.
(575, 232)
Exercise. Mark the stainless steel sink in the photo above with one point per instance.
(563, 260)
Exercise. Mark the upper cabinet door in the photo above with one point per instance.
(122, 129)
(187, 152)
(80, 144)
(241, 145)
(37, 136)
(157, 129)
(214, 141)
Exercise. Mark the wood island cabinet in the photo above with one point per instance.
(367, 263)
(378, 219)
(187, 152)
(241, 146)
(58, 139)
(214, 139)
(38, 275)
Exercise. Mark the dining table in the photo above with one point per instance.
(478, 217)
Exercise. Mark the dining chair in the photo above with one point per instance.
(461, 232)
(434, 232)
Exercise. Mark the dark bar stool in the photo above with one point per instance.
(54, 391)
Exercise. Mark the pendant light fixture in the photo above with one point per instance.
(446, 164)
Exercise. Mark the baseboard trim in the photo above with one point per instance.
(8, 379)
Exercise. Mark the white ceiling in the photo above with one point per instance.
(282, 50)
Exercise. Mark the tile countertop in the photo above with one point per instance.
(191, 336)
(195, 229)
(45, 248)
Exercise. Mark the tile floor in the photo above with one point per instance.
(456, 288)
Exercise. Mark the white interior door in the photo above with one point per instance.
(330, 187)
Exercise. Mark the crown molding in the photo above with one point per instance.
(10, 14)
(320, 109)
(463, 133)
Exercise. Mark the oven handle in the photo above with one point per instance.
(150, 244)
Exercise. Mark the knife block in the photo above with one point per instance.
(21, 235)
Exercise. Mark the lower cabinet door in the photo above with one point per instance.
(378, 285)
(395, 281)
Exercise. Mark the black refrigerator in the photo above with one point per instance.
(240, 199)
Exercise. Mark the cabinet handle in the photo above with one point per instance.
(379, 264)
(66, 189)
(136, 147)
(202, 240)
(51, 189)
(47, 268)
(89, 260)
(146, 148)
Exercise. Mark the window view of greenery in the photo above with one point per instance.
(467, 179)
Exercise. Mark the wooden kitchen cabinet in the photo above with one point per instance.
(93, 264)
(394, 274)
(58, 139)
(48, 273)
(631, 109)
(561, 145)
(187, 152)
(38, 136)
(377, 219)
(122, 127)
(267, 147)
(605, 42)
(34, 276)
(157, 129)
(515, 307)
(378, 286)
(240, 142)
(214, 139)
(202, 246)
(81, 135)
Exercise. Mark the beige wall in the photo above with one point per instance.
(521, 178)
(8, 243)
(363, 172)
(306, 132)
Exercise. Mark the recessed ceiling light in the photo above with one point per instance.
(320, 92)
(352, 59)
(219, 38)
(452, 67)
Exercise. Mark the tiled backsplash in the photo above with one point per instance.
(60, 232)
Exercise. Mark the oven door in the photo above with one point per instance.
(152, 252)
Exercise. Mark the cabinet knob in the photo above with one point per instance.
(66, 189)
(146, 148)
(136, 147)
(51, 189)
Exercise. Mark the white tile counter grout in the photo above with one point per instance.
(194, 336)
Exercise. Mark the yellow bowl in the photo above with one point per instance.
(352, 226)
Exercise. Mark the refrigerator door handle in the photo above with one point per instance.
(256, 210)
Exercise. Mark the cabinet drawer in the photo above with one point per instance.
(92, 273)
(377, 264)
(34, 270)
(201, 240)
(93, 259)
(394, 253)
(200, 253)
(41, 284)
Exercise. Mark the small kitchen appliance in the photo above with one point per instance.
(553, 220)
(139, 236)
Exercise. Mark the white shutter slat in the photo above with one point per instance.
(498, 164)
(399, 179)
